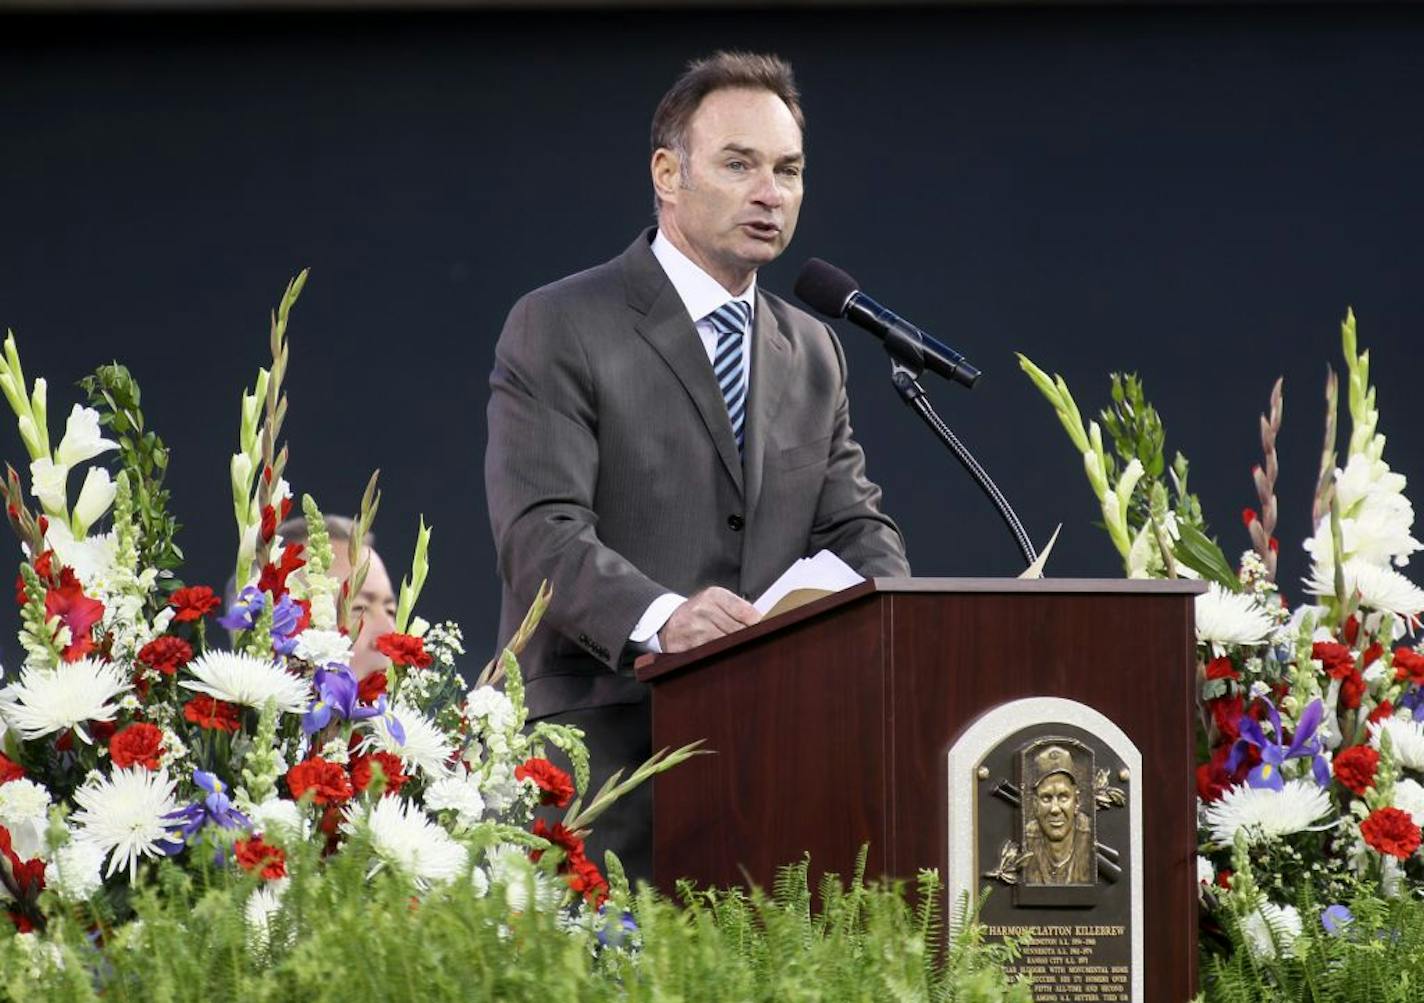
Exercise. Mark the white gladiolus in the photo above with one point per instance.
(83, 439)
(47, 483)
(95, 497)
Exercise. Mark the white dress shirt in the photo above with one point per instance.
(701, 294)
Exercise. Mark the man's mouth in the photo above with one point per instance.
(762, 229)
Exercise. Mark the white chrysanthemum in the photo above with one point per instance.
(74, 871)
(1406, 740)
(511, 870)
(262, 905)
(247, 680)
(321, 647)
(426, 747)
(458, 794)
(124, 815)
(46, 701)
(1231, 618)
(24, 810)
(276, 815)
(491, 706)
(404, 837)
(1263, 814)
(1409, 798)
(1269, 925)
(1206, 873)
(1380, 588)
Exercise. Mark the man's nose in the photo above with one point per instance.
(768, 192)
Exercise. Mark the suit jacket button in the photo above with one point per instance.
(735, 523)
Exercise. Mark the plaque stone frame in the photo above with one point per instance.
(964, 760)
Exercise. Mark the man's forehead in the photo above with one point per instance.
(752, 119)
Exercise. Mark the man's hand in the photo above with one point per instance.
(709, 614)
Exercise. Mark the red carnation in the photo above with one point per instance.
(1226, 713)
(167, 654)
(1384, 710)
(211, 714)
(554, 784)
(584, 879)
(1409, 664)
(1221, 668)
(274, 576)
(1391, 831)
(256, 855)
(560, 837)
(390, 766)
(1339, 660)
(1352, 690)
(1352, 628)
(1355, 767)
(139, 744)
(193, 603)
(403, 649)
(10, 770)
(77, 611)
(1370, 655)
(370, 689)
(327, 782)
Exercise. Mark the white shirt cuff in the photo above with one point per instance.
(645, 632)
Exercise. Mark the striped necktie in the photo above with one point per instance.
(730, 322)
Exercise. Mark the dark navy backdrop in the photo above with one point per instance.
(1193, 193)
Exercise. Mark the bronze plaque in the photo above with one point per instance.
(1053, 846)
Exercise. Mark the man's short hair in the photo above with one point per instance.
(720, 71)
(338, 527)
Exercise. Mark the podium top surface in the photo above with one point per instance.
(652, 667)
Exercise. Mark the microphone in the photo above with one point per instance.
(830, 291)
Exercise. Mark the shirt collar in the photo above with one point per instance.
(700, 293)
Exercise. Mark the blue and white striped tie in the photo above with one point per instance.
(730, 322)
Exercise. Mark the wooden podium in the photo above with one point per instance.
(831, 726)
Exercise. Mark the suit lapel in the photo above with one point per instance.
(771, 367)
(667, 328)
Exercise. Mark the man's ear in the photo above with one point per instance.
(666, 170)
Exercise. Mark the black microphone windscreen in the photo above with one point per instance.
(825, 288)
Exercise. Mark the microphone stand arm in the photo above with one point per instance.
(906, 365)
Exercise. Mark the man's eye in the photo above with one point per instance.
(791, 172)
(736, 165)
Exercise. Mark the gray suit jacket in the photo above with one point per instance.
(612, 472)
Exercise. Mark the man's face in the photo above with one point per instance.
(1055, 804)
(374, 607)
(735, 201)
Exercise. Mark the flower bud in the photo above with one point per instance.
(47, 483)
(95, 497)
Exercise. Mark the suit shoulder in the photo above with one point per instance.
(583, 289)
(809, 335)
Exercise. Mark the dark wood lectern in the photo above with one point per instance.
(831, 726)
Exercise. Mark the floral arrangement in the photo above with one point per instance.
(1311, 739)
(129, 736)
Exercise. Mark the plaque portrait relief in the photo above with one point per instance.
(1058, 834)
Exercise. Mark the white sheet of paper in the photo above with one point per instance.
(823, 571)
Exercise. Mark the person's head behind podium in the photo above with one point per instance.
(374, 607)
(727, 163)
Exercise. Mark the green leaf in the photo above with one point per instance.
(1200, 553)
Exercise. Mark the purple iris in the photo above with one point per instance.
(1335, 919)
(615, 934)
(216, 809)
(285, 617)
(1412, 700)
(1274, 753)
(244, 612)
(336, 693)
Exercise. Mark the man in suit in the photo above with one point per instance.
(665, 438)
